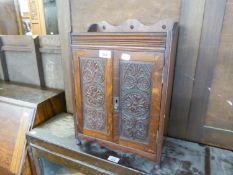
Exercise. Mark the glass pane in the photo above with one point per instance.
(50, 168)
(50, 16)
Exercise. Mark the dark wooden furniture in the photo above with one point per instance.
(123, 84)
(31, 60)
(53, 150)
(20, 59)
(21, 109)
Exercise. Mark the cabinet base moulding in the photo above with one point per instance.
(115, 146)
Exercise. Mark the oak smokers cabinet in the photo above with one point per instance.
(123, 81)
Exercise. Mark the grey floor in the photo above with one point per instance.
(186, 158)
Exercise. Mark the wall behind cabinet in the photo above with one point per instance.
(8, 20)
(87, 12)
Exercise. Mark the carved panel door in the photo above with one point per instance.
(139, 92)
(93, 91)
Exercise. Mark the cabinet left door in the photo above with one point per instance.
(93, 92)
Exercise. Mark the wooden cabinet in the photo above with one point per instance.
(21, 109)
(123, 83)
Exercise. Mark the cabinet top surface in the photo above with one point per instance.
(33, 95)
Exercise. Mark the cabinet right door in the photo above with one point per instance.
(139, 92)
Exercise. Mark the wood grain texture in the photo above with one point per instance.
(191, 19)
(78, 104)
(49, 108)
(75, 15)
(141, 41)
(189, 13)
(138, 54)
(157, 61)
(23, 107)
(108, 96)
(156, 94)
(210, 40)
(13, 132)
(20, 141)
(93, 72)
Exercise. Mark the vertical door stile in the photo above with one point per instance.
(156, 94)
(77, 89)
(108, 95)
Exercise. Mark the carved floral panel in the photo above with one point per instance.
(135, 92)
(93, 93)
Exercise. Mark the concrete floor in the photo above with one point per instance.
(186, 158)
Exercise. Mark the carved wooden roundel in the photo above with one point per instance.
(136, 104)
(94, 95)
